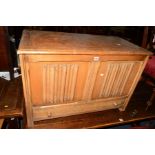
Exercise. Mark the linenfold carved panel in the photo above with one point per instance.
(59, 82)
(115, 78)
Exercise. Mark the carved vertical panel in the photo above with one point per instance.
(115, 78)
(59, 81)
(90, 81)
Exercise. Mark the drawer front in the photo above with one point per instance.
(55, 111)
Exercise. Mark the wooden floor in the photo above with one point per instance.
(12, 101)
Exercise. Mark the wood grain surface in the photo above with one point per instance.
(44, 42)
(135, 111)
(69, 74)
(11, 98)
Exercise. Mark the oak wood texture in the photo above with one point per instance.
(57, 42)
(54, 111)
(67, 74)
(135, 111)
(11, 98)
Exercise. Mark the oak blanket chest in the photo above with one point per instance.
(67, 74)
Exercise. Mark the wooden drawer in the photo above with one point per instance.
(62, 110)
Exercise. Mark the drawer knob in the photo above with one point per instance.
(101, 74)
(49, 114)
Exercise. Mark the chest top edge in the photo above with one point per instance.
(47, 42)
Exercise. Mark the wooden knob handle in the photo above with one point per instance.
(49, 114)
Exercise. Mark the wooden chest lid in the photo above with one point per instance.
(46, 42)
